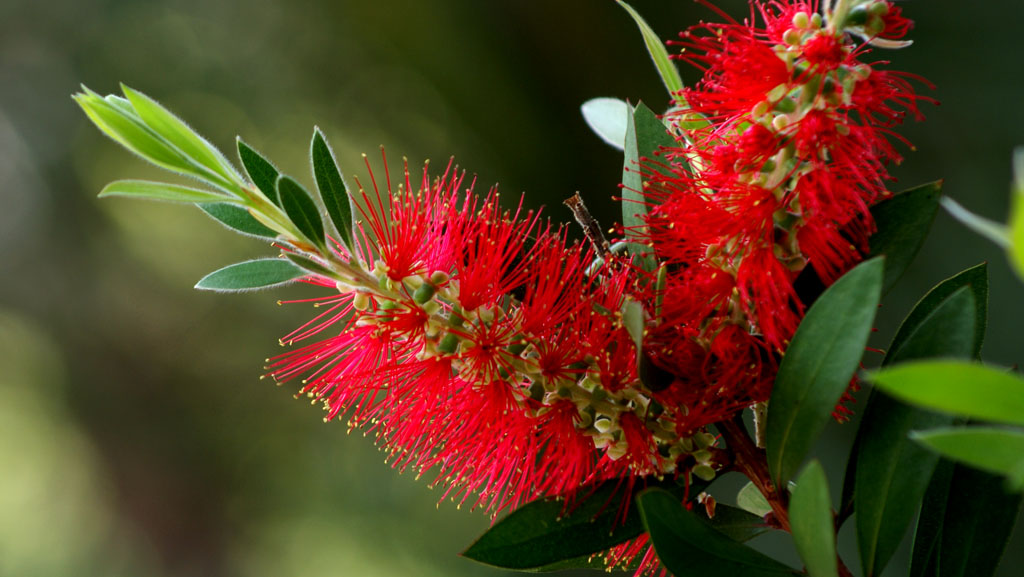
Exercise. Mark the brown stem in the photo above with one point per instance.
(751, 461)
(591, 228)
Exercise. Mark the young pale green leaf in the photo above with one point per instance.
(1016, 225)
(903, 222)
(645, 134)
(261, 172)
(656, 48)
(238, 219)
(810, 515)
(128, 130)
(332, 187)
(160, 191)
(301, 209)
(251, 275)
(961, 388)
(999, 451)
(942, 324)
(818, 365)
(688, 547)
(181, 136)
(966, 520)
(990, 229)
(607, 118)
(750, 499)
(542, 535)
(633, 319)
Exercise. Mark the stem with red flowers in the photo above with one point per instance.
(751, 461)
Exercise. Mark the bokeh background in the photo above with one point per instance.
(135, 435)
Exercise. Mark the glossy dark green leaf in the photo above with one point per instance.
(181, 136)
(541, 534)
(607, 118)
(942, 324)
(913, 341)
(160, 191)
(645, 134)
(687, 546)
(734, 523)
(960, 388)
(999, 451)
(237, 219)
(903, 223)
(818, 365)
(261, 172)
(332, 187)
(251, 275)
(810, 516)
(965, 523)
(302, 210)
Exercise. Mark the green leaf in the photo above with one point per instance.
(261, 172)
(128, 130)
(181, 136)
(810, 516)
(999, 451)
(990, 229)
(914, 341)
(332, 187)
(903, 222)
(633, 319)
(645, 134)
(238, 219)
(541, 534)
(251, 275)
(1016, 224)
(159, 191)
(818, 365)
(734, 523)
(942, 324)
(966, 520)
(302, 210)
(659, 54)
(607, 118)
(961, 388)
(312, 266)
(750, 499)
(688, 547)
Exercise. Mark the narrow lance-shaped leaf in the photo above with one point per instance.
(238, 219)
(999, 451)
(645, 134)
(261, 172)
(332, 187)
(160, 191)
(810, 515)
(541, 535)
(942, 324)
(607, 118)
(180, 135)
(128, 130)
(251, 275)
(688, 547)
(903, 222)
(966, 520)
(961, 388)
(302, 210)
(818, 365)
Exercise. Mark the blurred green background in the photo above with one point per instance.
(135, 435)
